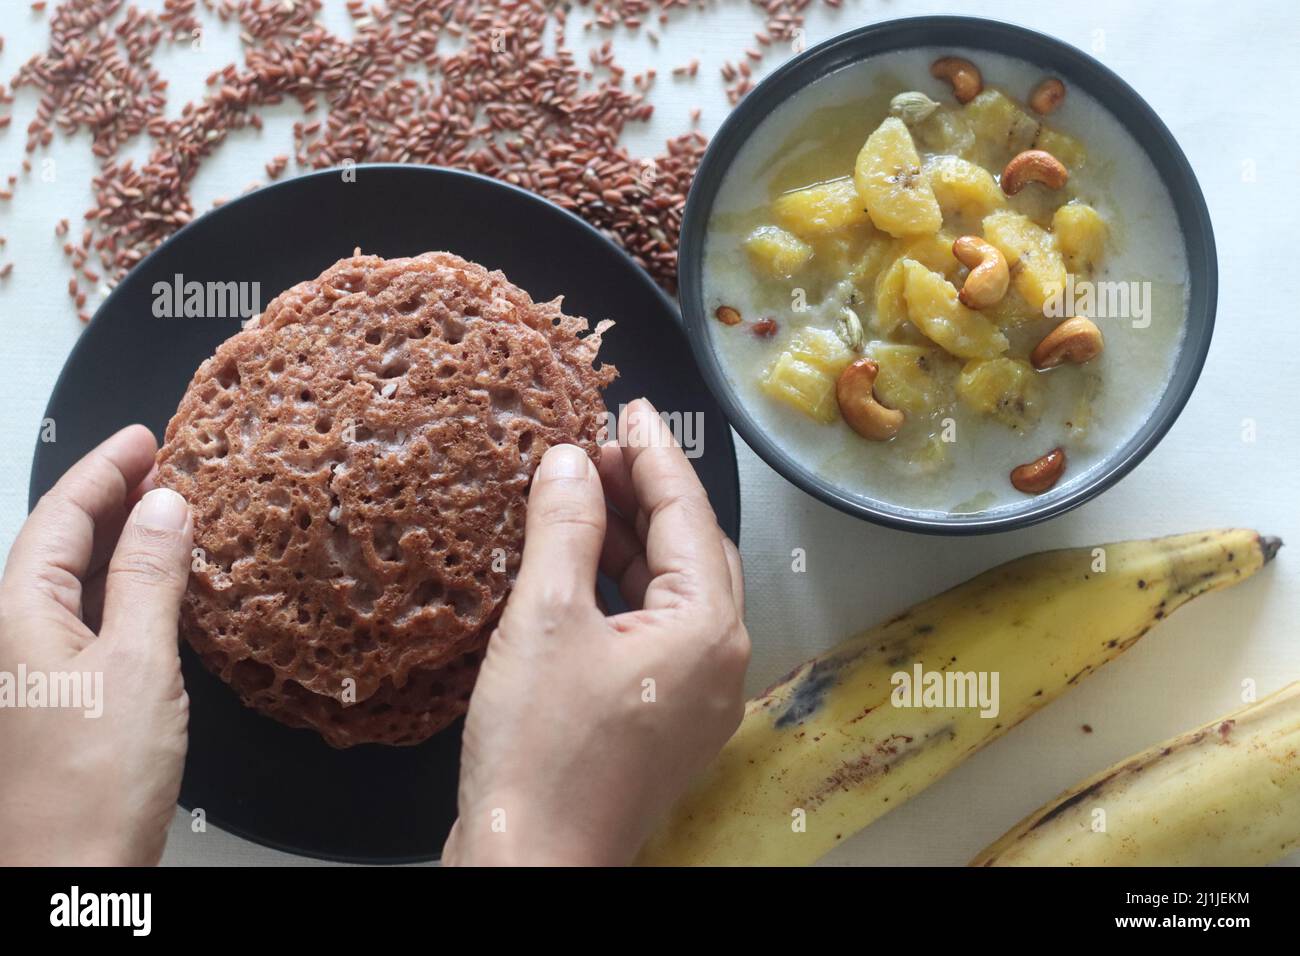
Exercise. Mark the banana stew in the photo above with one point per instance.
(945, 280)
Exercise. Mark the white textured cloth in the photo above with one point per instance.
(1221, 83)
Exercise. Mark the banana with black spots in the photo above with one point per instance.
(825, 752)
(1225, 794)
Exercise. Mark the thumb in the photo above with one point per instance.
(148, 573)
(565, 531)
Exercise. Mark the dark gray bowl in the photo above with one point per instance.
(1078, 70)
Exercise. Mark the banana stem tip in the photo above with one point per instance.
(1270, 545)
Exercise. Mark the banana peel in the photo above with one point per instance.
(825, 751)
(1225, 794)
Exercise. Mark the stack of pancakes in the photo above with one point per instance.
(357, 460)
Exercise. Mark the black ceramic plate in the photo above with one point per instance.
(1078, 70)
(272, 784)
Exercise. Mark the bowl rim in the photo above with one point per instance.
(1124, 103)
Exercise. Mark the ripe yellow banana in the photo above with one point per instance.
(1226, 794)
(825, 751)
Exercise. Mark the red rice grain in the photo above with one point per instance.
(510, 102)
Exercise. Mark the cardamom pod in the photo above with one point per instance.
(849, 328)
(912, 107)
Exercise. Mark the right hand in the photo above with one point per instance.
(584, 729)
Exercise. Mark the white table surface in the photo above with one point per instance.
(1222, 78)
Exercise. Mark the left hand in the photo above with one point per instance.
(92, 589)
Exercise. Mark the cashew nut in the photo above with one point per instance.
(1047, 96)
(727, 315)
(1040, 474)
(989, 276)
(855, 393)
(962, 74)
(1075, 340)
(1033, 166)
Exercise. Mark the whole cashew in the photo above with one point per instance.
(962, 74)
(1040, 474)
(1033, 166)
(1075, 340)
(989, 276)
(855, 393)
(1047, 96)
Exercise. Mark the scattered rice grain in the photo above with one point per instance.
(510, 102)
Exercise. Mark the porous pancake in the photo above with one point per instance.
(357, 460)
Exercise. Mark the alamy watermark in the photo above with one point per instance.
(686, 429)
(1101, 300)
(72, 690)
(948, 689)
(133, 911)
(181, 299)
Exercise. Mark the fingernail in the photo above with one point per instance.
(162, 510)
(637, 411)
(645, 427)
(563, 461)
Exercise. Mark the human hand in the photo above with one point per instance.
(92, 587)
(566, 743)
